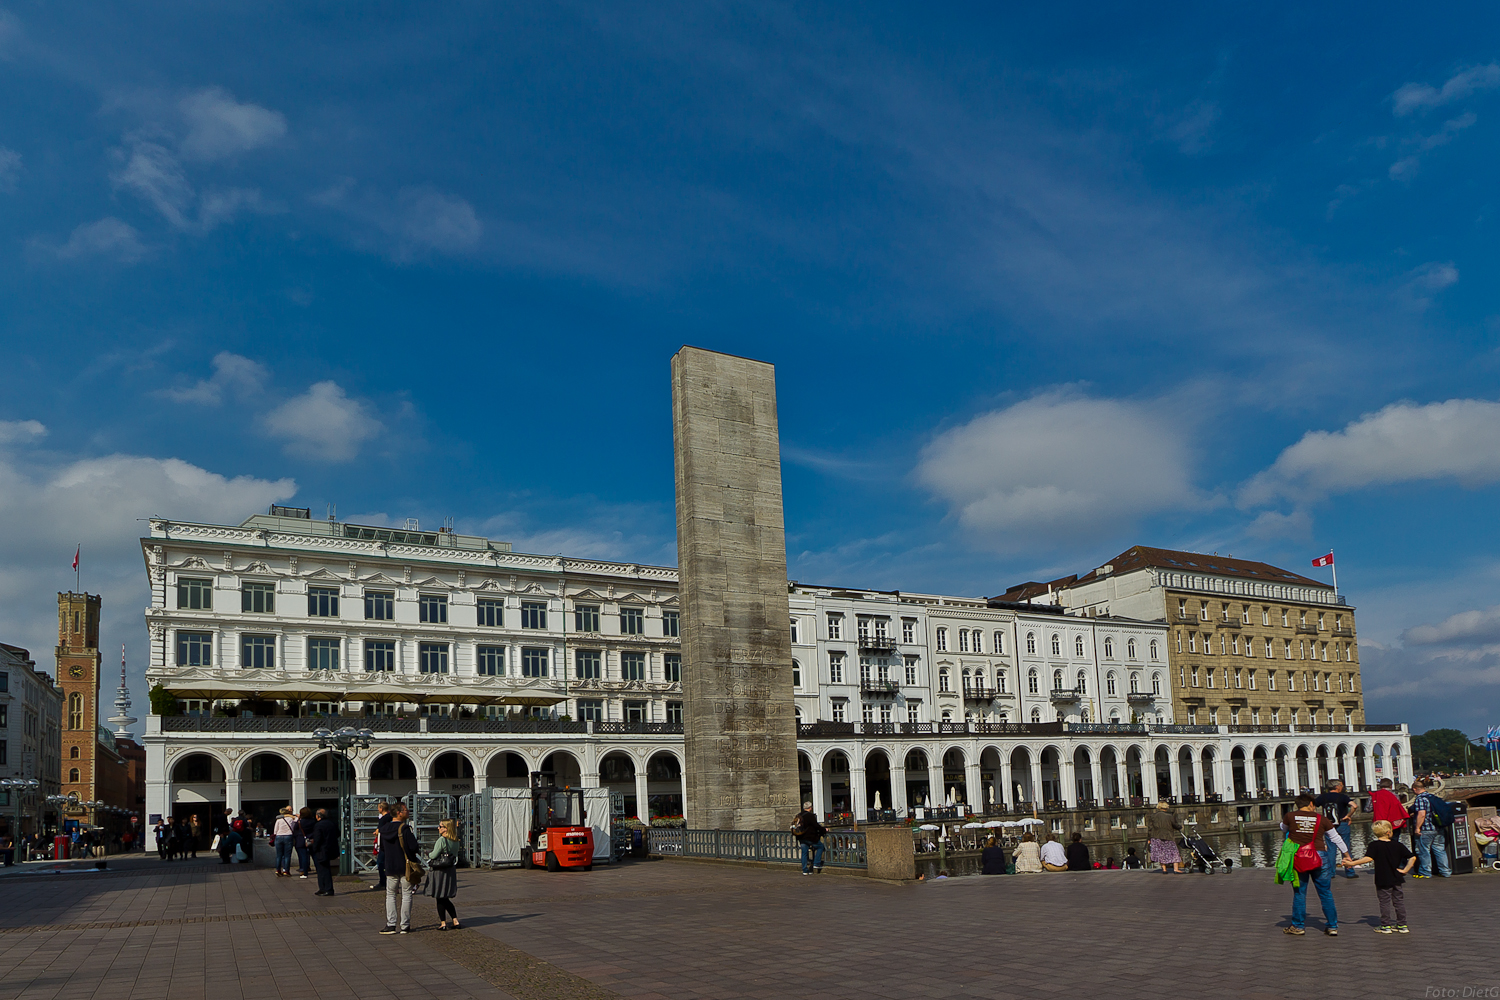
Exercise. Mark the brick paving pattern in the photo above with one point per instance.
(685, 930)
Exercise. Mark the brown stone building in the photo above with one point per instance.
(92, 769)
(1251, 644)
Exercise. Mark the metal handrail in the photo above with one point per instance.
(841, 849)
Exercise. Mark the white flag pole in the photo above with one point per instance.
(1335, 564)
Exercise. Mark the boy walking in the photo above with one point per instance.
(1392, 861)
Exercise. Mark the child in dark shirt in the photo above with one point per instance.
(1392, 861)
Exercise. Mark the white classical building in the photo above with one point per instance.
(30, 740)
(475, 665)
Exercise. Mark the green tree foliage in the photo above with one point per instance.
(1443, 750)
(163, 702)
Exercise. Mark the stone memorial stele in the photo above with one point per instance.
(740, 726)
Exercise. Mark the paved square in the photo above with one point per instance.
(684, 930)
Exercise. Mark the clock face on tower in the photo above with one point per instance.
(75, 672)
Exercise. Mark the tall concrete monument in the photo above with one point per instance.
(741, 729)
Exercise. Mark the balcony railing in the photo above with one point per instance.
(876, 643)
(1186, 730)
(1305, 629)
(1140, 698)
(1260, 729)
(975, 693)
(1343, 632)
(1230, 623)
(888, 688)
(1107, 728)
(1065, 694)
(638, 728)
(843, 850)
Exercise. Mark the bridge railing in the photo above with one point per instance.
(841, 850)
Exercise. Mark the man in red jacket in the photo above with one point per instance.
(1384, 805)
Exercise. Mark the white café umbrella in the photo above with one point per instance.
(952, 794)
(927, 802)
(992, 824)
(973, 826)
(877, 801)
(927, 826)
(1029, 821)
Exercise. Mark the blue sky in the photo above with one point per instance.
(1040, 284)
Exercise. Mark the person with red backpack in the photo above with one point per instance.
(1309, 829)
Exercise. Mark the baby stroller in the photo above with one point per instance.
(1205, 858)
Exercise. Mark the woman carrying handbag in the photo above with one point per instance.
(442, 874)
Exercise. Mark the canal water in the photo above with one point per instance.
(1264, 846)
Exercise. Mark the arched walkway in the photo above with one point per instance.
(452, 772)
(507, 769)
(617, 772)
(393, 774)
(877, 789)
(265, 786)
(665, 791)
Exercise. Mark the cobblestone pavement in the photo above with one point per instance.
(685, 930)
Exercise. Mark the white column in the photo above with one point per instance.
(936, 790)
(1174, 776)
(1036, 783)
(231, 792)
(1097, 775)
(299, 791)
(898, 790)
(819, 792)
(682, 779)
(642, 797)
(1066, 776)
(857, 794)
(974, 787)
(1007, 793)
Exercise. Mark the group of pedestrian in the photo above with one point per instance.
(292, 833)
(178, 838)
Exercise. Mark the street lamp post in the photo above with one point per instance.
(16, 787)
(341, 741)
(61, 802)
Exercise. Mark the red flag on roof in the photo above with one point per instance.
(1324, 560)
(75, 556)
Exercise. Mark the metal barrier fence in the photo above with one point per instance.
(841, 850)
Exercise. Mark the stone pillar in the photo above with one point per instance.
(1007, 795)
(683, 779)
(642, 797)
(231, 793)
(898, 791)
(740, 740)
(1122, 777)
(819, 794)
(1067, 778)
(936, 790)
(1174, 776)
(1097, 774)
(1036, 783)
(858, 795)
(973, 788)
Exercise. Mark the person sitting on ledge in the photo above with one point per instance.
(1054, 858)
(993, 858)
(1078, 855)
(1028, 859)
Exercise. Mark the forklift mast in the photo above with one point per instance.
(553, 807)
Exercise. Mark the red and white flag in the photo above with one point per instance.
(76, 555)
(1324, 560)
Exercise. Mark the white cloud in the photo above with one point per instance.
(10, 170)
(237, 375)
(21, 431)
(1420, 96)
(1407, 167)
(323, 423)
(107, 238)
(1458, 439)
(53, 502)
(220, 126)
(1464, 628)
(1059, 465)
(1421, 283)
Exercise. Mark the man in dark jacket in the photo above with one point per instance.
(325, 851)
(809, 833)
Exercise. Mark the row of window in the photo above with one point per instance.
(1230, 645)
(1311, 680)
(380, 605)
(195, 649)
(1227, 612)
(1293, 716)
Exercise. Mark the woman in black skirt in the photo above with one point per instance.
(442, 872)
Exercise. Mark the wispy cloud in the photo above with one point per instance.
(1421, 283)
(1414, 97)
(234, 375)
(10, 170)
(415, 221)
(21, 431)
(106, 239)
(1406, 168)
(218, 126)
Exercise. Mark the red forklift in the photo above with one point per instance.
(560, 836)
